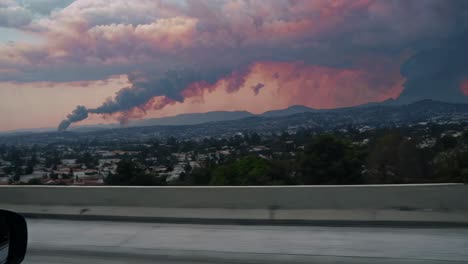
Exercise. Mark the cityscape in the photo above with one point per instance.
(233, 131)
(424, 142)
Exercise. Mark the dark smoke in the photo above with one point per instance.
(64, 125)
(146, 86)
(256, 88)
(80, 113)
(236, 80)
(437, 73)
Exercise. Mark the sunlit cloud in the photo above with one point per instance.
(186, 56)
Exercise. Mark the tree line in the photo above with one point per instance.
(387, 157)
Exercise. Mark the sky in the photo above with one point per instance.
(121, 60)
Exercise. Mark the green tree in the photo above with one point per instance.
(250, 170)
(253, 138)
(18, 173)
(14, 156)
(198, 176)
(8, 170)
(53, 176)
(132, 173)
(52, 159)
(88, 160)
(330, 160)
(34, 181)
(447, 142)
(29, 170)
(394, 158)
(33, 161)
(464, 175)
(451, 166)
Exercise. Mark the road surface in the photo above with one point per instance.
(60, 241)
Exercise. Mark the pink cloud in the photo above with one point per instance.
(322, 54)
(285, 84)
(464, 87)
(224, 33)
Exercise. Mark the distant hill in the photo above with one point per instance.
(388, 102)
(27, 131)
(367, 113)
(177, 120)
(191, 126)
(292, 110)
(191, 119)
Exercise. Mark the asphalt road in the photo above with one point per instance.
(72, 242)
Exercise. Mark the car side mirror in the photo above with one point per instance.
(13, 237)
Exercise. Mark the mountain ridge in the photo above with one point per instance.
(219, 116)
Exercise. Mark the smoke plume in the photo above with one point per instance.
(325, 53)
(437, 73)
(80, 113)
(256, 88)
(149, 90)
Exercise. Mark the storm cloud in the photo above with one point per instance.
(437, 73)
(335, 53)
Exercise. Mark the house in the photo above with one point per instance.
(68, 161)
(103, 162)
(175, 173)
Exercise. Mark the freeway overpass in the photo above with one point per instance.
(281, 224)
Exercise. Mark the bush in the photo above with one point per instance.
(330, 160)
(132, 173)
(34, 181)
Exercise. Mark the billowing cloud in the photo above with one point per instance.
(20, 13)
(13, 14)
(437, 71)
(283, 84)
(44, 7)
(97, 39)
(333, 53)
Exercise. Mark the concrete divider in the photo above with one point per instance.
(430, 196)
(426, 202)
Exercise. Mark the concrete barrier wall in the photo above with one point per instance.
(402, 197)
